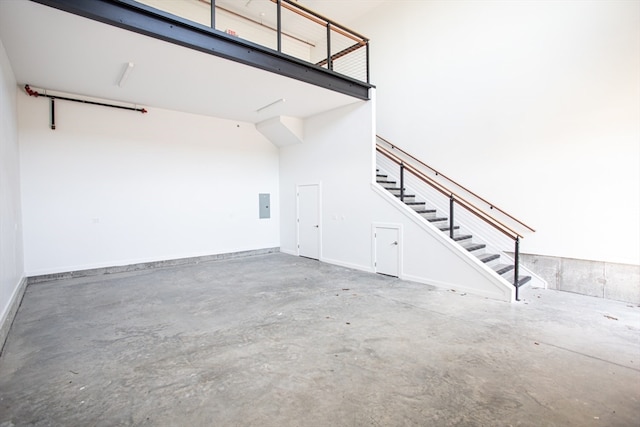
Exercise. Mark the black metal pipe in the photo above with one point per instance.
(516, 268)
(279, 13)
(35, 93)
(329, 59)
(402, 182)
(451, 204)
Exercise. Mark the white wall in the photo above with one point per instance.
(11, 262)
(534, 105)
(337, 152)
(112, 187)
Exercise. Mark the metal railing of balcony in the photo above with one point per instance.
(284, 26)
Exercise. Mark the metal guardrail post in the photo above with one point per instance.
(451, 204)
(329, 59)
(402, 182)
(367, 53)
(516, 267)
(52, 112)
(279, 35)
(213, 14)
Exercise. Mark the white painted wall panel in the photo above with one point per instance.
(338, 152)
(533, 105)
(11, 260)
(112, 187)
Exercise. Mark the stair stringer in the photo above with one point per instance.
(469, 224)
(485, 282)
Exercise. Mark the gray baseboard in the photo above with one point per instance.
(148, 265)
(11, 312)
(620, 282)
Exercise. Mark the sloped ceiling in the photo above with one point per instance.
(59, 51)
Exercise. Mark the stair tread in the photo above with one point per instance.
(474, 246)
(488, 257)
(438, 219)
(446, 228)
(415, 203)
(462, 237)
(424, 211)
(406, 195)
(503, 268)
(522, 280)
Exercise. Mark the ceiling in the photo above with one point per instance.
(58, 51)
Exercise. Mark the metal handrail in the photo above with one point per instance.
(491, 205)
(322, 20)
(459, 199)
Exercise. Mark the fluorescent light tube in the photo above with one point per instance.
(125, 74)
(270, 105)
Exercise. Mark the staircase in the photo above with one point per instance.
(441, 221)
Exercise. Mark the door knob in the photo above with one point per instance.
(316, 226)
(395, 243)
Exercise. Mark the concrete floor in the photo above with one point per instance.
(277, 340)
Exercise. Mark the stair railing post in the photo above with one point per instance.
(279, 24)
(367, 47)
(329, 59)
(451, 204)
(516, 267)
(401, 182)
(213, 15)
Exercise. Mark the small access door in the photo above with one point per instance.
(387, 250)
(309, 221)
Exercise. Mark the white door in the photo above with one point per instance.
(387, 250)
(309, 221)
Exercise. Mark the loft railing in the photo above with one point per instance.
(282, 25)
(460, 196)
